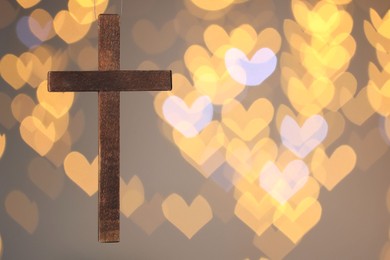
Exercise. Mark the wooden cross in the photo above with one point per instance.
(108, 82)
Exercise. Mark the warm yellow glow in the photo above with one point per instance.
(219, 87)
(60, 124)
(203, 151)
(57, 104)
(213, 5)
(295, 222)
(41, 24)
(247, 161)
(23, 210)
(132, 195)
(358, 110)
(41, 62)
(329, 171)
(27, 3)
(84, 12)
(21, 106)
(37, 136)
(2, 144)
(81, 172)
(255, 213)
(68, 28)
(189, 219)
(14, 71)
(312, 99)
(247, 124)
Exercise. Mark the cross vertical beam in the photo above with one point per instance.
(109, 145)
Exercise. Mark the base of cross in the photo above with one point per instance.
(108, 82)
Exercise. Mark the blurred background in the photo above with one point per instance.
(273, 143)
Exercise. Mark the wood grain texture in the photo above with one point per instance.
(109, 145)
(108, 81)
(118, 80)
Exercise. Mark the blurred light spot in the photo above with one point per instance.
(68, 28)
(302, 140)
(369, 148)
(274, 244)
(90, 3)
(21, 106)
(57, 104)
(41, 24)
(310, 96)
(189, 219)
(84, 12)
(358, 110)
(132, 195)
(60, 150)
(283, 185)
(36, 135)
(205, 151)
(215, 5)
(27, 3)
(247, 124)
(295, 222)
(24, 33)
(188, 120)
(250, 72)
(248, 161)
(255, 212)
(87, 59)
(329, 171)
(225, 176)
(6, 118)
(149, 215)
(2, 144)
(81, 172)
(22, 210)
(46, 118)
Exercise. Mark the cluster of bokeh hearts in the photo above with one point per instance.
(44, 119)
(377, 33)
(276, 181)
(270, 155)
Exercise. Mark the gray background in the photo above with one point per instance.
(354, 222)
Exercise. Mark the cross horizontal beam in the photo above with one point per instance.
(113, 80)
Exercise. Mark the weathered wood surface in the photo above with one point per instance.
(109, 129)
(118, 80)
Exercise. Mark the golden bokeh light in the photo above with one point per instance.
(2, 144)
(57, 104)
(83, 173)
(132, 195)
(23, 210)
(213, 5)
(41, 24)
(269, 110)
(68, 28)
(189, 219)
(27, 3)
(329, 171)
(247, 124)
